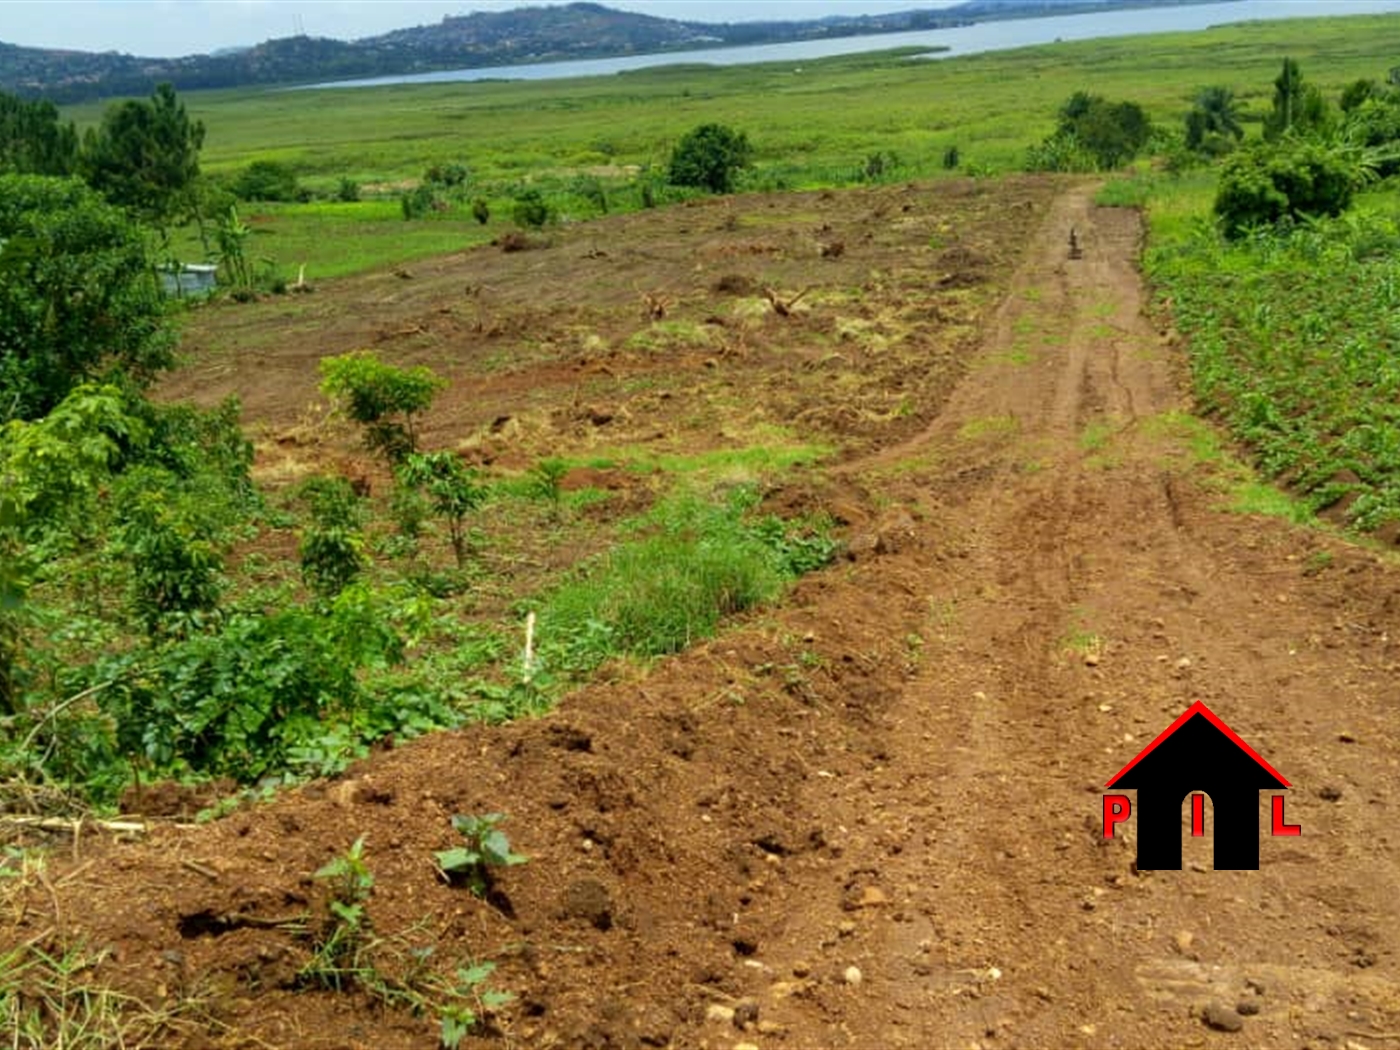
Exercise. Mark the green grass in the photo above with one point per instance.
(1292, 344)
(697, 559)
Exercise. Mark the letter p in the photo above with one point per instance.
(1116, 809)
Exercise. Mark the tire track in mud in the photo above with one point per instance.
(1097, 593)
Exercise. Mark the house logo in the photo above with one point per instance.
(1197, 753)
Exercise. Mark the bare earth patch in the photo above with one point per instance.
(870, 817)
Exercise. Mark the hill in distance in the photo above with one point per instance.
(523, 35)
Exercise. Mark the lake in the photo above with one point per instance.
(964, 40)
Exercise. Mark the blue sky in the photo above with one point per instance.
(181, 27)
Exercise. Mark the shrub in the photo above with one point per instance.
(78, 298)
(348, 191)
(481, 211)
(531, 210)
(332, 549)
(709, 157)
(448, 175)
(266, 180)
(419, 201)
(451, 488)
(1266, 184)
(380, 397)
(952, 157)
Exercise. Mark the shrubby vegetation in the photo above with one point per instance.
(710, 157)
(79, 300)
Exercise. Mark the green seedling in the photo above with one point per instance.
(486, 847)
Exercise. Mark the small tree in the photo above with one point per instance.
(1297, 105)
(266, 180)
(452, 489)
(381, 398)
(709, 157)
(531, 210)
(145, 155)
(1213, 124)
(332, 548)
(481, 211)
(32, 139)
(78, 299)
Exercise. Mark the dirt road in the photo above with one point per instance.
(1094, 595)
(873, 817)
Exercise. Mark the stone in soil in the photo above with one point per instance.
(1222, 1018)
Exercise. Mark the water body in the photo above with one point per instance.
(965, 40)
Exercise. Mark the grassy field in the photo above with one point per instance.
(812, 124)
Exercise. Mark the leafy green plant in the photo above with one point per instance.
(531, 210)
(547, 480)
(79, 301)
(710, 157)
(332, 548)
(481, 211)
(1266, 184)
(484, 849)
(347, 190)
(382, 398)
(344, 936)
(451, 488)
(266, 180)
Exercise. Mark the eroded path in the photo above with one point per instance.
(1095, 593)
(897, 773)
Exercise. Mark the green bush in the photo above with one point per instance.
(710, 157)
(385, 400)
(1093, 134)
(531, 211)
(1267, 184)
(332, 548)
(79, 301)
(347, 190)
(266, 180)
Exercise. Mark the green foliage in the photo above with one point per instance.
(1213, 123)
(485, 848)
(1111, 133)
(547, 478)
(421, 200)
(531, 210)
(78, 301)
(710, 157)
(267, 180)
(347, 190)
(451, 488)
(145, 155)
(1297, 106)
(344, 936)
(33, 141)
(332, 548)
(1358, 91)
(231, 235)
(699, 561)
(481, 211)
(1291, 340)
(380, 397)
(245, 701)
(879, 165)
(952, 157)
(1266, 184)
(176, 567)
(449, 176)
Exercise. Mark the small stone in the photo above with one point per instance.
(846, 928)
(1184, 664)
(745, 1046)
(1091, 659)
(718, 1013)
(1330, 793)
(1222, 1018)
(1184, 940)
(745, 1013)
(1346, 738)
(1246, 1008)
(1255, 985)
(871, 897)
(801, 969)
(852, 975)
(771, 1028)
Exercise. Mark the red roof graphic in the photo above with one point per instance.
(1199, 708)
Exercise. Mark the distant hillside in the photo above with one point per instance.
(527, 34)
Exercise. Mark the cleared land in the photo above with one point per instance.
(898, 770)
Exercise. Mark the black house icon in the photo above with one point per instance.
(1198, 752)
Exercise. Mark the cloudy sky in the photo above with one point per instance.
(182, 27)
